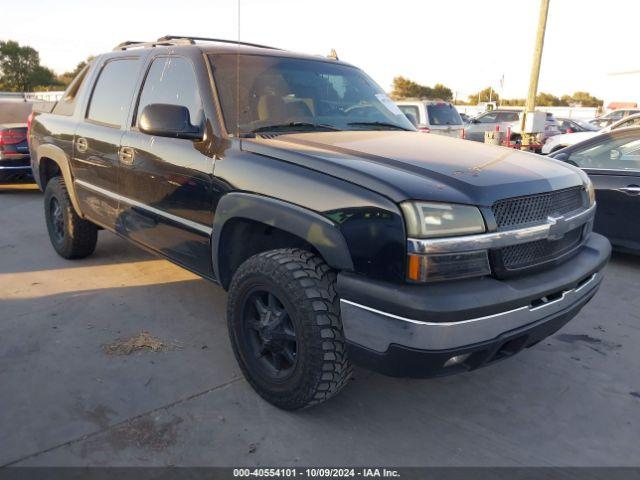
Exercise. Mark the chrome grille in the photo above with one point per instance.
(530, 210)
(540, 251)
(517, 211)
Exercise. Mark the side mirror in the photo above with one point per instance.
(474, 120)
(165, 120)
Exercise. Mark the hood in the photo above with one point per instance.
(412, 165)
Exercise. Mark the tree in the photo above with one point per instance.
(405, 88)
(440, 91)
(549, 100)
(485, 95)
(586, 99)
(43, 77)
(17, 66)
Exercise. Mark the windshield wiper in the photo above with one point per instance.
(295, 126)
(380, 124)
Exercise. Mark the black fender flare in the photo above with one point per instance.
(317, 230)
(57, 155)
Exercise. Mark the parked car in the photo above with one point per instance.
(341, 233)
(613, 116)
(507, 119)
(612, 161)
(575, 125)
(433, 116)
(559, 142)
(14, 152)
(487, 121)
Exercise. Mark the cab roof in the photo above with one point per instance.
(218, 46)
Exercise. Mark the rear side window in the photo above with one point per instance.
(443, 114)
(113, 92)
(410, 110)
(172, 81)
(67, 104)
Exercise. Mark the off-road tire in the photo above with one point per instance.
(78, 237)
(305, 285)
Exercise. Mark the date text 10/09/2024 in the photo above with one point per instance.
(315, 473)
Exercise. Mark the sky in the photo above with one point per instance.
(464, 44)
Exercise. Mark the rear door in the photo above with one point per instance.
(613, 164)
(97, 139)
(165, 183)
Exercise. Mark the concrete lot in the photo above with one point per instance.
(572, 400)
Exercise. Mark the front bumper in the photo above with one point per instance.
(414, 330)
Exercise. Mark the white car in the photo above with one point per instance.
(557, 142)
(433, 116)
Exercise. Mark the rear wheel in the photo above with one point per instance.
(285, 328)
(70, 235)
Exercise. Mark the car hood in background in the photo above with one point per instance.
(567, 139)
(412, 165)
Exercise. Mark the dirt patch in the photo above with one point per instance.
(146, 433)
(569, 338)
(143, 341)
(99, 415)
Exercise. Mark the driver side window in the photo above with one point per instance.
(621, 153)
(171, 80)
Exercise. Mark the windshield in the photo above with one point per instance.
(443, 114)
(279, 93)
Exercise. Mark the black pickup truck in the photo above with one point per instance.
(341, 234)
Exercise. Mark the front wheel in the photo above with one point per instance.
(284, 323)
(70, 235)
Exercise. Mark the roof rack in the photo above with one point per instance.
(160, 42)
(216, 40)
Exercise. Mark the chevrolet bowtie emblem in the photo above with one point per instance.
(558, 226)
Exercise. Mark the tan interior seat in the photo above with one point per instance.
(271, 108)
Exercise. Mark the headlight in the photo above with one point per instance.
(430, 219)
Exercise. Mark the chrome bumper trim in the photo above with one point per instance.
(24, 167)
(554, 228)
(376, 330)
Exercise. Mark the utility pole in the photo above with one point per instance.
(530, 106)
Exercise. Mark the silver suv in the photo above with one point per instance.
(433, 116)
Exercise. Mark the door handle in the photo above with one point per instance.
(81, 144)
(631, 190)
(126, 155)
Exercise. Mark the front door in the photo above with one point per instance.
(97, 140)
(165, 183)
(614, 168)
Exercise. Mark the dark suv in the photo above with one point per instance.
(341, 234)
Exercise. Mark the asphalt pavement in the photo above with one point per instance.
(74, 391)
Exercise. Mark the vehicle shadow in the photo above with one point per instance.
(543, 393)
